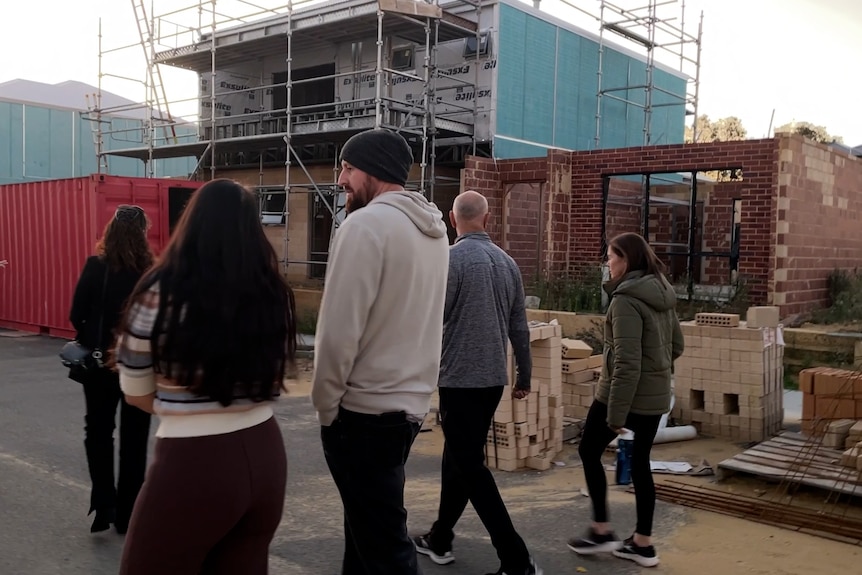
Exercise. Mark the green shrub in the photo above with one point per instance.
(732, 299)
(582, 293)
(845, 297)
(306, 322)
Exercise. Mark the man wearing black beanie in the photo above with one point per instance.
(378, 345)
(381, 154)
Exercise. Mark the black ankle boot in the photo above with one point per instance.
(102, 521)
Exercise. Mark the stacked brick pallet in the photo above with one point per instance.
(828, 395)
(527, 433)
(581, 372)
(729, 381)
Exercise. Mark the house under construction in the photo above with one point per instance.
(281, 89)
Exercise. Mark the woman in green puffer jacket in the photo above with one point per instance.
(642, 340)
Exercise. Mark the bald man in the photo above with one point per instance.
(484, 311)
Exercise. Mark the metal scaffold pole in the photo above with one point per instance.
(214, 134)
(478, 7)
(696, 97)
(151, 106)
(599, 76)
(650, 66)
(378, 73)
(98, 136)
(432, 109)
(288, 88)
(651, 31)
(427, 185)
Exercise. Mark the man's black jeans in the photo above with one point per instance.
(466, 416)
(366, 456)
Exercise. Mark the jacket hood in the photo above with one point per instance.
(424, 215)
(655, 291)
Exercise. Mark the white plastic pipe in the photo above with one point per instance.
(671, 434)
(663, 423)
(668, 434)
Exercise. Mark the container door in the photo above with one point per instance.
(177, 200)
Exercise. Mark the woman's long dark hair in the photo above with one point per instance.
(124, 241)
(226, 322)
(637, 253)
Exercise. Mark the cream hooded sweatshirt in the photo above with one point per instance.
(380, 327)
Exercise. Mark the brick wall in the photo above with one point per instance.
(482, 175)
(757, 158)
(517, 200)
(818, 229)
(523, 224)
(668, 226)
(624, 212)
(574, 197)
(717, 229)
(560, 220)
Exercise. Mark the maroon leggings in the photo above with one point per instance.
(209, 505)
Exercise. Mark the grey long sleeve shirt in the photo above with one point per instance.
(484, 311)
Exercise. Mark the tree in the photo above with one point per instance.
(723, 130)
(809, 130)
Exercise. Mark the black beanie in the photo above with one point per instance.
(380, 153)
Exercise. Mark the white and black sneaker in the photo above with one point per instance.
(593, 543)
(438, 556)
(643, 556)
(532, 569)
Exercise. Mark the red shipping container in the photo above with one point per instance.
(49, 228)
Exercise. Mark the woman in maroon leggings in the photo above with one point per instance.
(206, 341)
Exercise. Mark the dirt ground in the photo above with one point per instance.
(702, 542)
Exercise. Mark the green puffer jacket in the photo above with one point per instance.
(642, 340)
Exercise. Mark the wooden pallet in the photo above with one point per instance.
(797, 459)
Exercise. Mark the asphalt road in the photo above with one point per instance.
(44, 490)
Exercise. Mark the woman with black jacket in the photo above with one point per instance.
(107, 280)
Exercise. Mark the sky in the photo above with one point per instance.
(797, 59)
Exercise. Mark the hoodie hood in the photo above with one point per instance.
(424, 215)
(655, 291)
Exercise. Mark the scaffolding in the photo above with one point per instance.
(301, 127)
(647, 29)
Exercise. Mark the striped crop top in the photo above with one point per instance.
(181, 412)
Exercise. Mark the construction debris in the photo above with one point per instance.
(840, 527)
(837, 433)
(854, 436)
(572, 426)
(793, 458)
(717, 319)
(575, 349)
(762, 316)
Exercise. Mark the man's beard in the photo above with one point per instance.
(354, 203)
